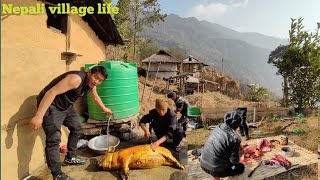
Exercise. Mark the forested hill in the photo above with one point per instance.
(245, 55)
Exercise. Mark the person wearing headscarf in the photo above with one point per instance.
(221, 153)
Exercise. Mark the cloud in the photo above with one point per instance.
(212, 10)
(239, 3)
(209, 11)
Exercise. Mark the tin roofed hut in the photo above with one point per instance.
(193, 65)
(163, 63)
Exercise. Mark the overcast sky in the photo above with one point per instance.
(269, 17)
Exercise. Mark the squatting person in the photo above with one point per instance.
(163, 121)
(220, 155)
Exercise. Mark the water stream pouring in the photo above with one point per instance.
(100, 144)
(109, 118)
(108, 123)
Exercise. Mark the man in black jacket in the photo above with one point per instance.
(182, 106)
(163, 121)
(220, 154)
(244, 130)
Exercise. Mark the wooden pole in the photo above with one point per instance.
(222, 66)
(184, 86)
(154, 80)
(199, 87)
(166, 89)
(180, 86)
(145, 80)
(254, 115)
(202, 88)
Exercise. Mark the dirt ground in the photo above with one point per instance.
(89, 171)
(271, 127)
(195, 138)
(218, 100)
(214, 100)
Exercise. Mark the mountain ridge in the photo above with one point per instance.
(244, 55)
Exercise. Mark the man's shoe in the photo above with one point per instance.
(74, 161)
(62, 176)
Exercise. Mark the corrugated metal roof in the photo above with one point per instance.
(192, 79)
(192, 60)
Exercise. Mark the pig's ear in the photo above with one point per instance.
(111, 149)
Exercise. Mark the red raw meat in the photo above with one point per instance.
(264, 145)
(271, 163)
(277, 160)
(283, 161)
(249, 153)
(255, 151)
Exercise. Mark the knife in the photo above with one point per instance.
(254, 169)
(150, 141)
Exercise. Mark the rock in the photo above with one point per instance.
(128, 136)
(92, 131)
(124, 128)
(177, 175)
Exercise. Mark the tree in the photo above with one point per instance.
(257, 95)
(122, 18)
(299, 64)
(304, 54)
(178, 53)
(134, 15)
(276, 58)
(147, 49)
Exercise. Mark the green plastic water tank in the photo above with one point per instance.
(119, 91)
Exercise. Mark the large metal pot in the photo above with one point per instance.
(100, 144)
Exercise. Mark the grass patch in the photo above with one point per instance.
(197, 137)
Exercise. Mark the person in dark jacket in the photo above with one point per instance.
(163, 121)
(182, 106)
(244, 130)
(55, 108)
(220, 154)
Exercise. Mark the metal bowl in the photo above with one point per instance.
(100, 144)
(287, 151)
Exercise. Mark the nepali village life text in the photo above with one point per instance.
(60, 8)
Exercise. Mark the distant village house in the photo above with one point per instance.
(194, 66)
(162, 65)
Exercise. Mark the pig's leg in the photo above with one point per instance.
(124, 173)
(173, 160)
